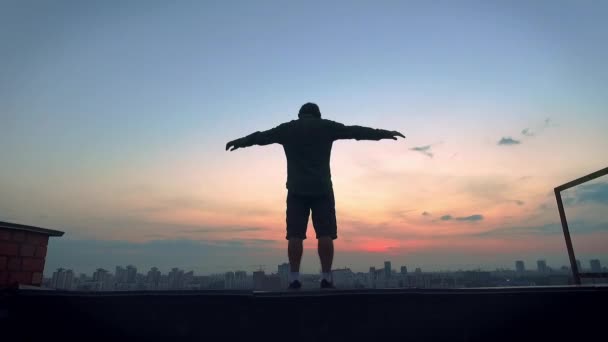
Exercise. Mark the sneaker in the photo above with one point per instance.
(327, 284)
(294, 285)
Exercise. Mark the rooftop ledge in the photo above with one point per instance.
(33, 229)
(475, 314)
(25, 290)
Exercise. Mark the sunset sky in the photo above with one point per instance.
(114, 117)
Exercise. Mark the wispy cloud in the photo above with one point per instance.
(528, 132)
(549, 123)
(508, 141)
(426, 150)
(470, 218)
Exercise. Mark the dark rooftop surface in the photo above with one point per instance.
(489, 314)
(17, 226)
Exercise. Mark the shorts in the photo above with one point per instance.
(323, 209)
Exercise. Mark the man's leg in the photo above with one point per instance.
(326, 253)
(294, 252)
(297, 220)
(324, 220)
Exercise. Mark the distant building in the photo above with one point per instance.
(387, 270)
(579, 266)
(371, 278)
(344, 278)
(176, 279)
(120, 274)
(131, 274)
(596, 267)
(229, 280)
(258, 280)
(69, 280)
(241, 281)
(272, 283)
(188, 278)
(62, 279)
(153, 278)
(264, 282)
(558, 279)
(164, 282)
(520, 266)
(102, 280)
(419, 279)
(283, 268)
(98, 275)
(542, 266)
(283, 271)
(403, 278)
(58, 278)
(475, 278)
(418, 270)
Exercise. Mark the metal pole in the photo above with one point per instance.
(562, 216)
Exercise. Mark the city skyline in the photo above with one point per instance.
(127, 278)
(115, 122)
(121, 271)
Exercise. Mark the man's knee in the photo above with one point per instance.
(325, 239)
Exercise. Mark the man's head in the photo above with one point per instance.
(309, 109)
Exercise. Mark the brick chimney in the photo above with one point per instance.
(22, 253)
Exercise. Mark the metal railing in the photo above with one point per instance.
(562, 215)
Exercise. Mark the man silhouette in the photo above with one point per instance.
(307, 143)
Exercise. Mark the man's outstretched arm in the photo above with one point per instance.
(271, 136)
(363, 133)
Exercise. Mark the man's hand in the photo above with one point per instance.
(234, 144)
(395, 134)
